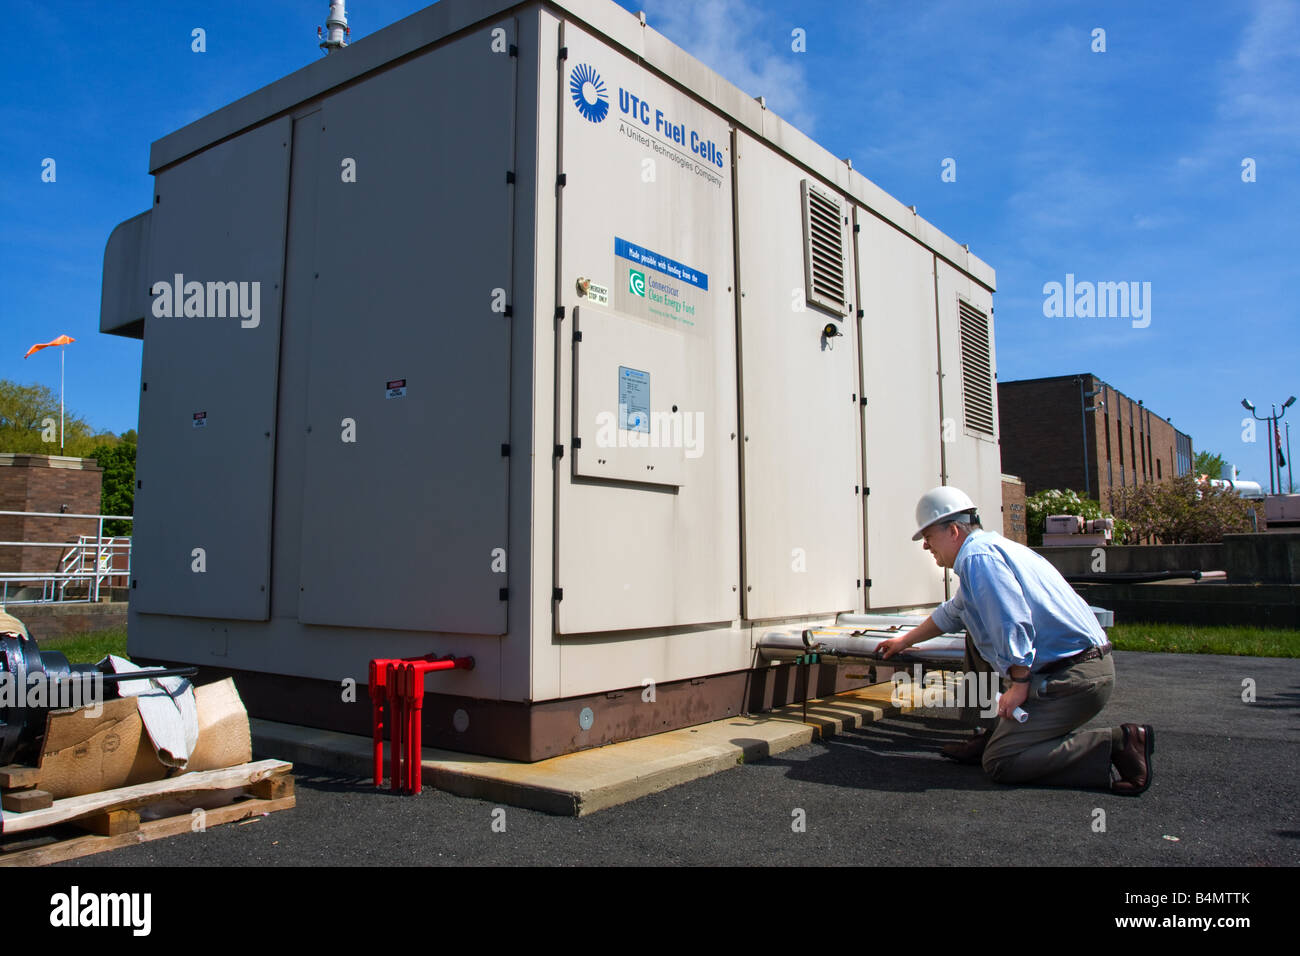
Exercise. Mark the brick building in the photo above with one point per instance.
(1048, 434)
(51, 484)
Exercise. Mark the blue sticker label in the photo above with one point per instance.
(633, 400)
(645, 257)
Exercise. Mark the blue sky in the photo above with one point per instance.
(1123, 165)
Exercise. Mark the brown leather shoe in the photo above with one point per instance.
(969, 751)
(1134, 760)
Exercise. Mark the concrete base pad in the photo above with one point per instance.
(580, 783)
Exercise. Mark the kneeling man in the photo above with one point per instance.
(1026, 622)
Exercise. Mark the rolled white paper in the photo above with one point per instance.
(1018, 713)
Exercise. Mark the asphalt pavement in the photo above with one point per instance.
(1224, 792)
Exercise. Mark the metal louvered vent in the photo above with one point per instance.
(824, 256)
(976, 369)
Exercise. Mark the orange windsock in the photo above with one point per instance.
(61, 340)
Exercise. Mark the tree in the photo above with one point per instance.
(1057, 502)
(1208, 464)
(1183, 511)
(117, 493)
(29, 423)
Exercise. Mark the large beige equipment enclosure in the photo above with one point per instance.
(515, 332)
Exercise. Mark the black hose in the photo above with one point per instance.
(1132, 577)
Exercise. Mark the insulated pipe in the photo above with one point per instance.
(861, 648)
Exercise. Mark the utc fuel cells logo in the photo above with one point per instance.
(589, 94)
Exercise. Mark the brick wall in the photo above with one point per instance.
(45, 483)
(1043, 431)
(1149, 453)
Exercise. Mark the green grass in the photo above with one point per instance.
(1195, 639)
(89, 647)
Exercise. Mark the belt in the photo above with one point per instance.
(1091, 654)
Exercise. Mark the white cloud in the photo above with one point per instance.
(744, 46)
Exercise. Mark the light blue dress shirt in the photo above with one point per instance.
(1016, 606)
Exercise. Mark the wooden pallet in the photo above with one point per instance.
(40, 830)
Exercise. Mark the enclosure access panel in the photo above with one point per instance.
(517, 333)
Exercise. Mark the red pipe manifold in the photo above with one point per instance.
(397, 685)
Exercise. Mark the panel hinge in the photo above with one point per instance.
(864, 401)
(505, 451)
(510, 175)
(577, 336)
(559, 311)
(861, 313)
(557, 594)
(577, 443)
(564, 53)
(866, 491)
(503, 594)
(559, 451)
(857, 227)
(510, 311)
(514, 50)
(562, 179)
(868, 582)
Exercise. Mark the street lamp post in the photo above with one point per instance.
(1274, 487)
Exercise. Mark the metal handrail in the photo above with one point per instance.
(56, 582)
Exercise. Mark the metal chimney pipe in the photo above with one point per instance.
(336, 27)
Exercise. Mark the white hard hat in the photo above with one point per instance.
(939, 503)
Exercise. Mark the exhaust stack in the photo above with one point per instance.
(336, 33)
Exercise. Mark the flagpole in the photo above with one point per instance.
(1290, 484)
(62, 351)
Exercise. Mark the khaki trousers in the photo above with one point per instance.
(1047, 749)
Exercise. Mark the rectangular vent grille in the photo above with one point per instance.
(976, 369)
(824, 255)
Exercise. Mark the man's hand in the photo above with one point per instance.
(892, 646)
(1012, 699)
(922, 632)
